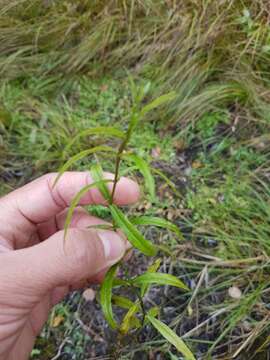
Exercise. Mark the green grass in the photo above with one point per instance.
(37, 128)
(64, 68)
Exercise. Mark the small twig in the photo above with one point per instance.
(205, 322)
(61, 347)
(166, 289)
(202, 277)
(137, 293)
(89, 330)
(225, 263)
(252, 335)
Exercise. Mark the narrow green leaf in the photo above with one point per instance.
(132, 233)
(122, 302)
(134, 119)
(120, 282)
(75, 201)
(126, 323)
(155, 266)
(143, 91)
(97, 174)
(145, 170)
(156, 221)
(158, 102)
(135, 323)
(165, 249)
(104, 131)
(172, 337)
(133, 88)
(160, 279)
(106, 297)
(80, 156)
(151, 269)
(154, 311)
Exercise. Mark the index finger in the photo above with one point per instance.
(39, 200)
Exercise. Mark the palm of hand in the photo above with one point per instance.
(23, 313)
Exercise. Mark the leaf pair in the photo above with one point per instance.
(104, 131)
(81, 155)
(130, 320)
(142, 282)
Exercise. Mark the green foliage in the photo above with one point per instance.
(159, 222)
(134, 236)
(82, 155)
(158, 278)
(141, 283)
(106, 296)
(206, 126)
(208, 53)
(102, 130)
(145, 170)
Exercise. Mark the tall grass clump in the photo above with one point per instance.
(196, 48)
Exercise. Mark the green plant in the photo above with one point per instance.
(137, 315)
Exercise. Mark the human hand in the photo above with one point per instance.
(36, 270)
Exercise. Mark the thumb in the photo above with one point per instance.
(56, 262)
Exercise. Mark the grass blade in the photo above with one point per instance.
(172, 337)
(160, 279)
(163, 99)
(132, 233)
(106, 296)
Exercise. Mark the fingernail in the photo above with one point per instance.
(128, 245)
(114, 245)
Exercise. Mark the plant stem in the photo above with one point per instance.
(137, 292)
(118, 162)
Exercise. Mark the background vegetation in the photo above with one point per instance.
(63, 67)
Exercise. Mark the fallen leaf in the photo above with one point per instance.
(196, 164)
(57, 321)
(104, 88)
(89, 294)
(234, 292)
(170, 215)
(179, 144)
(156, 152)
